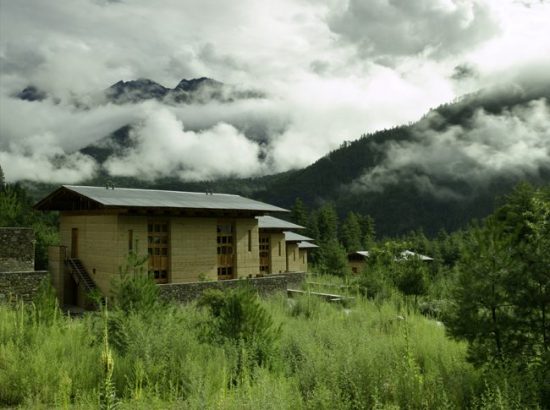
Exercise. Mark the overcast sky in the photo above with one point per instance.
(331, 70)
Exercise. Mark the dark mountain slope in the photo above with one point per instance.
(401, 205)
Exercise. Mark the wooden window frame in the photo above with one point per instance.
(158, 249)
(225, 249)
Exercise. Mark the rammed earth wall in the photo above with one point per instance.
(16, 249)
(187, 292)
(20, 285)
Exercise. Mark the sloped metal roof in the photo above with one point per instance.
(270, 222)
(404, 255)
(409, 254)
(362, 253)
(295, 237)
(306, 245)
(150, 198)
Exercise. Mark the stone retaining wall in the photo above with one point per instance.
(16, 249)
(20, 285)
(187, 292)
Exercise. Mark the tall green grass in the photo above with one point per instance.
(368, 356)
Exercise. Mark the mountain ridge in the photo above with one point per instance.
(397, 206)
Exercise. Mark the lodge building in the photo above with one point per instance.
(184, 237)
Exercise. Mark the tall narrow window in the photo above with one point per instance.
(249, 240)
(130, 240)
(157, 247)
(279, 248)
(225, 240)
(264, 254)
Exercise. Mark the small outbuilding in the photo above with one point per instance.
(357, 261)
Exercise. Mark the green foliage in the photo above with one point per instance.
(16, 210)
(333, 259)
(238, 317)
(45, 305)
(327, 223)
(375, 284)
(107, 390)
(411, 278)
(307, 306)
(501, 297)
(368, 231)
(134, 291)
(299, 214)
(11, 207)
(350, 233)
(366, 357)
(481, 312)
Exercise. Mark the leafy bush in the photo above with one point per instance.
(133, 290)
(334, 259)
(238, 317)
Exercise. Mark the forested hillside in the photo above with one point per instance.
(360, 175)
(438, 173)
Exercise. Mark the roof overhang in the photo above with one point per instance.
(296, 237)
(77, 198)
(267, 222)
(306, 245)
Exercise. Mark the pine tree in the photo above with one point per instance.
(481, 310)
(298, 213)
(327, 222)
(368, 231)
(334, 259)
(351, 233)
(526, 217)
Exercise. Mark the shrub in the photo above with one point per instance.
(133, 290)
(238, 317)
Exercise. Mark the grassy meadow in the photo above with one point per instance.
(319, 355)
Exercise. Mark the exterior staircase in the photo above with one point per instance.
(81, 275)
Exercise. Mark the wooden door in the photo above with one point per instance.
(265, 252)
(158, 245)
(226, 250)
(74, 243)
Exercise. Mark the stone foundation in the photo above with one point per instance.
(16, 249)
(20, 285)
(187, 292)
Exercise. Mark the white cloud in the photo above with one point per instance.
(331, 70)
(37, 158)
(403, 27)
(514, 143)
(164, 148)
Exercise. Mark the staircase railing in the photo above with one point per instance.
(81, 275)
